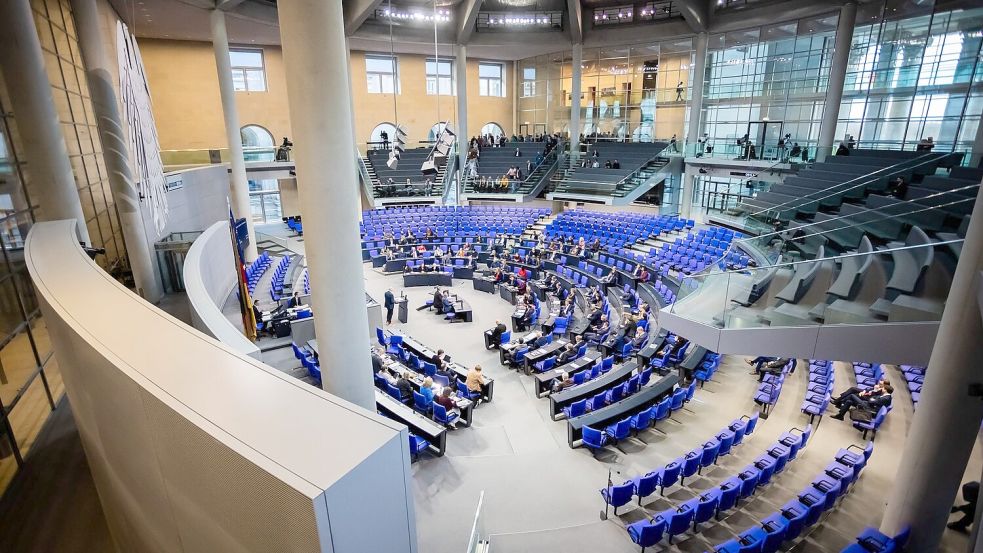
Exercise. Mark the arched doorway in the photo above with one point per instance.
(493, 129)
(257, 143)
(375, 138)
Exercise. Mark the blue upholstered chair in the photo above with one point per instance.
(647, 532)
(593, 439)
(618, 496)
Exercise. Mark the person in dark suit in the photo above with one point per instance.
(294, 300)
(438, 301)
(390, 304)
(971, 493)
(496, 333)
(875, 398)
(673, 347)
(640, 338)
(404, 386)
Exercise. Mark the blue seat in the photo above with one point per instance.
(766, 464)
(726, 439)
(463, 390)
(505, 338)
(646, 485)
(795, 513)
(420, 404)
(730, 491)
(429, 369)
(663, 409)
(729, 546)
(873, 425)
(679, 519)
(706, 506)
(575, 409)
(739, 428)
(618, 496)
(646, 533)
(442, 380)
(691, 463)
(643, 419)
(670, 474)
(841, 472)
(545, 364)
(615, 394)
(597, 402)
(593, 439)
(750, 477)
(709, 456)
(775, 527)
(678, 397)
(441, 415)
(580, 377)
(752, 540)
(873, 541)
(752, 422)
(690, 390)
(619, 430)
(417, 444)
(794, 442)
(607, 363)
(856, 459)
(781, 454)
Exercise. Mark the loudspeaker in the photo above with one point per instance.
(428, 167)
(449, 129)
(400, 133)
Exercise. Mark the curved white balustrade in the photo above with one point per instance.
(196, 447)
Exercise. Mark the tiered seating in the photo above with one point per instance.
(612, 395)
(820, 389)
(797, 515)
(495, 162)
(617, 230)
(770, 388)
(708, 366)
(256, 269)
(447, 221)
(694, 253)
(869, 374)
(410, 162)
(279, 274)
(595, 439)
(309, 360)
(914, 378)
(632, 157)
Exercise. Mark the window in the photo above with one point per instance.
(528, 82)
(440, 77)
(492, 129)
(382, 74)
(257, 143)
(248, 74)
(491, 81)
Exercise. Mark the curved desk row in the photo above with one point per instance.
(193, 445)
(615, 376)
(427, 279)
(631, 405)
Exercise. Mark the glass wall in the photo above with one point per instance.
(915, 75)
(264, 201)
(627, 92)
(767, 83)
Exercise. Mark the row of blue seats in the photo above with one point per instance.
(309, 361)
(820, 389)
(595, 439)
(819, 497)
(256, 269)
(770, 389)
(872, 540)
(914, 376)
(279, 273)
(295, 224)
(868, 375)
(427, 408)
(707, 367)
(615, 394)
(713, 502)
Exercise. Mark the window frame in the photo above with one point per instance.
(437, 78)
(487, 81)
(393, 74)
(244, 70)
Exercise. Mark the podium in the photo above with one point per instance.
(402, 305)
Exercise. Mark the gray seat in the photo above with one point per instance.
(912, 213)
(797, 286)
(876, 224)
(910, 265)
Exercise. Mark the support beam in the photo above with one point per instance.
(115, 153)
(227, 5)
(315, 60)
(697, 74)
(575, 21)
(237, 179)
(947, 422)
(356, 12)
(576, 64)
(837, 78)
(466, 15)
(31, 100)
(463, 137)
(696, 13)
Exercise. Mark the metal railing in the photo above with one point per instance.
(516, 186)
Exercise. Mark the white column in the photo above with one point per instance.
(686, 194)
(114, 148)
(977, 154)
(318, 89)
(940, 439)
(238, 183)
(837, 78)
(697, 74)
(575, 63)
(463, 137)
(22, 62)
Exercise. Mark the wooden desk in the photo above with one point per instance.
(631, 405)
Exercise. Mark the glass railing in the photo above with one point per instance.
(578, 184)
(500, 184)
(822, 291)
(797, 152)
(210, 156)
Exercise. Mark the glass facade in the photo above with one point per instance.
(915, 77)
(633, 92)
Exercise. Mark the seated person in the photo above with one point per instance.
(527, 317)
(758, 361)
(496, 333)
(773, 367)
(673, 345)
(879, 396)
(561, 383)
(444, 399)
(498, 276)
(426, 390)
(568, 354)
(378, 360)
(644, 275)
(448, 303)
(520, 286)
(859, 392)
(596, 313)
(294, 301)
(640, 338)
(609, 278)
(476, 383)
(540, 341)
(404, 386)
(595, 332)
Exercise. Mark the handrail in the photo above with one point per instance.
(363, 171)
(528, 178)
(631, 175)
(866, 178)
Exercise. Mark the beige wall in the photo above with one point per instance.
(188, 111)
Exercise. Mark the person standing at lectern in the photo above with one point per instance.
(390, 303)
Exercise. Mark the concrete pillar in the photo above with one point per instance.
(239, 185)
(947, 421)
(463, 137)
(976, 156)
(576, 63)
(53, 187)
(318, 88)
(686, 194)
(114, 148)
(697, 74)
(837, 78)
